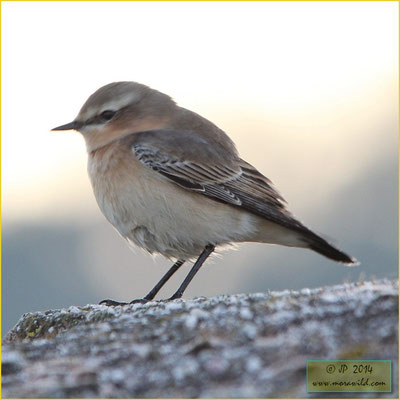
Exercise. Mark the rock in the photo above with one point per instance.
(252, 345)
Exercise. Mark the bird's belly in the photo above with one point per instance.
(164, 218)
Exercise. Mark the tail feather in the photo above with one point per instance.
(321, 246)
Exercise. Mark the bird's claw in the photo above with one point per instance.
(141, 301)
(112, 303)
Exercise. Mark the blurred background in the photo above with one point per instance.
(308, 92)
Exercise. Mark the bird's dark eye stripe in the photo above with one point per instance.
(107, 115)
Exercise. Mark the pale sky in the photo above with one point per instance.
(308, 91)
(304, 89)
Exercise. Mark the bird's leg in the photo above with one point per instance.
(203, 257)
(153, 292)
(160, 284)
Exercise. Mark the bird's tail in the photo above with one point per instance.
(321, 246)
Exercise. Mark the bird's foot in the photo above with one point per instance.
(174, 297)
(112, 303)
(141, 301)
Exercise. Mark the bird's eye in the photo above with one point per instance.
(107, 115)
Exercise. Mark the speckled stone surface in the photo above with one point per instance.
(237, 346)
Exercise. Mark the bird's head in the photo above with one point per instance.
(119, 109)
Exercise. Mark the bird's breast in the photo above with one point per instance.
(158, 215)
(120, 188)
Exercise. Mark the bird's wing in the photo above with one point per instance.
(195, 164)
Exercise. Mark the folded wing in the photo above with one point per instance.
(199, 166)
(214, 170)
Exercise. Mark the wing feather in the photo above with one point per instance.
(212, 167)
(238, 184)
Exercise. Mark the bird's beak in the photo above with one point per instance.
(72, 125)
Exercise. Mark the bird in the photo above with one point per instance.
(173, 183)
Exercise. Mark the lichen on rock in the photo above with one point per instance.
(253, 345)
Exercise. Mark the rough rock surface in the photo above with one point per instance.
(226, 346)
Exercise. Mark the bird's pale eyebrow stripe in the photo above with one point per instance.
(122, 102)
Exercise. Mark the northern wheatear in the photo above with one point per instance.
(173, 183)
